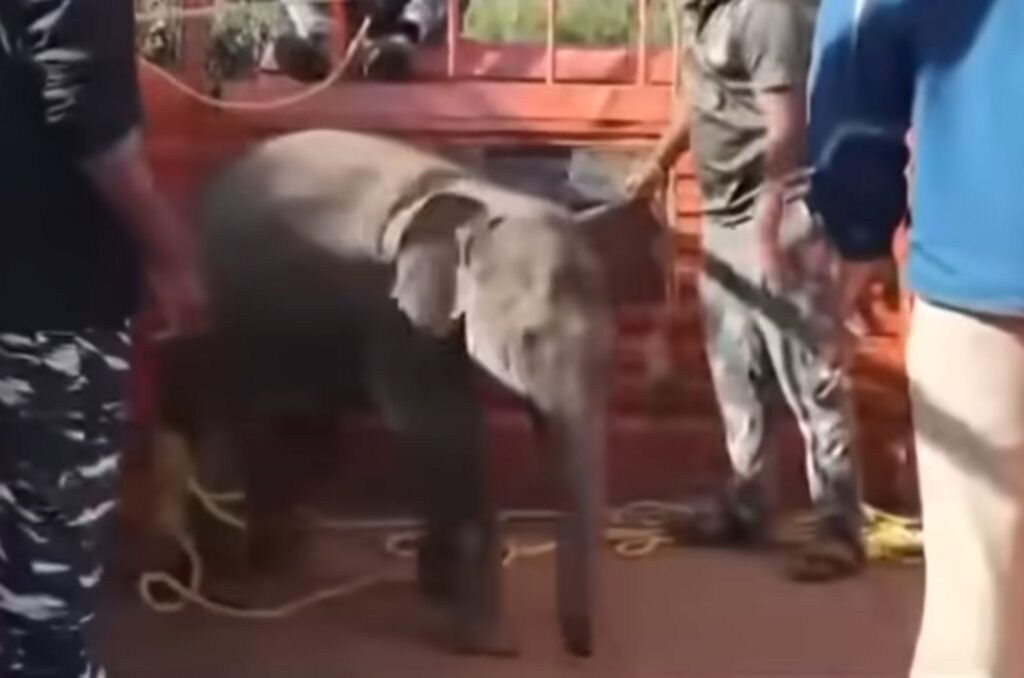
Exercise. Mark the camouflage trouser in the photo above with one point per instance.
(61, 410)
(752, 332)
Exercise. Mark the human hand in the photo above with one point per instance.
(180, 298)
(645, 180)
(173, 273)
(854, 278)
(779, 270)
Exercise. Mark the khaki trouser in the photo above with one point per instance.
(967, 391)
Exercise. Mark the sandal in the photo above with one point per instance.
(825, 559)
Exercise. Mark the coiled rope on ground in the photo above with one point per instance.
(636, 530)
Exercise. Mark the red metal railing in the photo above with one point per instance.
(551, 43)
(454, 22)
(454, 66)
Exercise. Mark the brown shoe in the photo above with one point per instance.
(826, 558)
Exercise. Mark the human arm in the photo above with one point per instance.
(785, 123)
(82, 52)
(861, 96)
(775, 39)
(122, 176)
(673, 143)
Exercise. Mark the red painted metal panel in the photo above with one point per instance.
(528, 62)
(570, 112)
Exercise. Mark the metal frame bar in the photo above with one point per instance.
(642, 55)
(454, 16)
(551, 53)
(339, 27)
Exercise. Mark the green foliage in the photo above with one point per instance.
(579, 22)
(240, 32)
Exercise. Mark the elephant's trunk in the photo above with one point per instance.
(578, 440)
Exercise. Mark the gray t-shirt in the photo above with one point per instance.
(736, 49)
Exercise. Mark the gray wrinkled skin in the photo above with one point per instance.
(341, 263)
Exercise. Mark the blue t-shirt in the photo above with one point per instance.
(954, 71)
(68, 90)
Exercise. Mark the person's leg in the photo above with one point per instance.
(967, 393)
(61, 408)
(302, 52)
(430, 18)
(737, 362)
(802, 330)
(310, 20)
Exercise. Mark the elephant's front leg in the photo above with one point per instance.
(424, 388)
(273, 538)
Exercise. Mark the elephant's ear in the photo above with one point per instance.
(427, 257)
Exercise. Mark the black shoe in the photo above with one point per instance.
(717, 524)
(301, 59)
(389, 58)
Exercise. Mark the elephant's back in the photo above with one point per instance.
(335, 189)
(293, 229)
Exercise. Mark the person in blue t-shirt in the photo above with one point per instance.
(954, 71)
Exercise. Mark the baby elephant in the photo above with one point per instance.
(343, 266)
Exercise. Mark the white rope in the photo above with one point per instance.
(628, 542)
(635, 530)
(190, 592)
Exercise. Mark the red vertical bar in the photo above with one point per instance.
(454, 22)
(339, 28)
(550, 54)
(641, 47)
(194, 42)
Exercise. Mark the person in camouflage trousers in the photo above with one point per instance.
(61, 412)
(771, 301)
(81, 227)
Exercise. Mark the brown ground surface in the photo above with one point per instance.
(677, 613)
